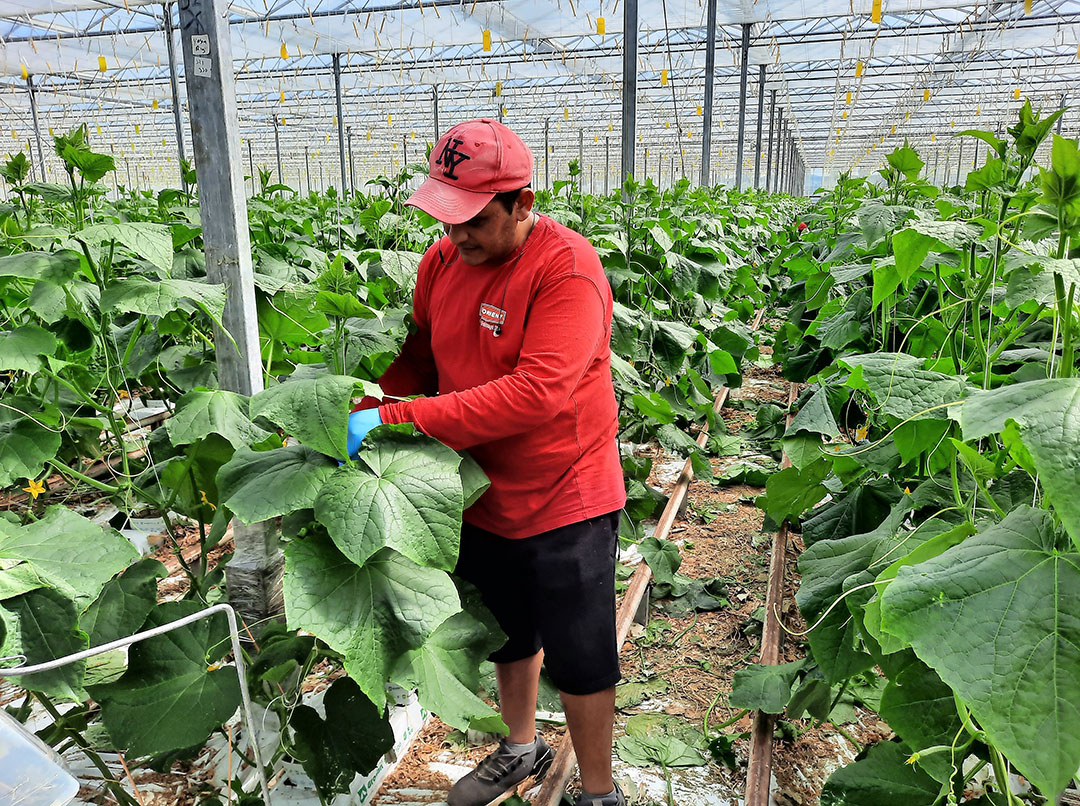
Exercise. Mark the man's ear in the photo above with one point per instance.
(523, 205)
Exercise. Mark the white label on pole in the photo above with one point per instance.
(202, 66)
(200, 45)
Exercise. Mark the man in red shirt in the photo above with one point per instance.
(511, 356)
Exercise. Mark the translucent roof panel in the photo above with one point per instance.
(849, 88)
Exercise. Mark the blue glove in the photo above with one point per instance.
(360, 422)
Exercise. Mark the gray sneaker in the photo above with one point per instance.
(616, 798)
(499, 772)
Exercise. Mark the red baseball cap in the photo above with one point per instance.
(468, 166)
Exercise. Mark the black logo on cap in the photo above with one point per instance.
(450, 158)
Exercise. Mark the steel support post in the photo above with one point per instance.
(960, 159)
(435, 105)
(744, 57)
(37, 128)
(307, 168)
(779, 142)
(171, 49)
(350, 188)
(253, 576)
(251, 167)
(340, 123)
(645, 168)
(710, 80)
(607, 165)
(547, 154)
(277, 150)
(760, 114)
(404, 152)
(769, 152)
(629, 99)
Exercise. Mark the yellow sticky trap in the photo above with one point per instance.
(699, 109)
(284, 51)
(566, 113)
(978, 109)
(369, 135)
(838, 130)
(498, 88)
(335, 120)
(933, 137)
(926, 95)
(1027, 6)
(875, 11)
(389, 120)
(719, 152)
(50, 132)
(610, 127)
(596, 138)
(667, 124)
(283, 121)
(601, 26)
(154, 104)
(14, 135)
(99, 130)
(162, 141)
(844, 116)
(858, 69)
(487, 40)
(663, 78)
(25, 74)
(102, 65)
(848, 101)
(907, 116)
(1016, 93)
(892, 130)
(282, 97)
(136, 129)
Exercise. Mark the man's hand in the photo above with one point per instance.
(360, 422)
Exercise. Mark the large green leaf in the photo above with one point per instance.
(350, 741)
(152, 242)
(372, 614)
(203, 412)
(815, 417)
(1033, 280)
(665, 751)
(171, 696)
(403, 492)
(124, 603)
(881, 779)
(922, 711)
(1048, 415)
(314, 410)
(25, 446)
(25, 348)
(765, 688)
(159, 297)
(70, 552)
(901, 387)
(41, 625)
(259, 485)
(996, 618)
(55, 267)
(445, 669)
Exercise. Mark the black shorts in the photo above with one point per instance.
(554, 591)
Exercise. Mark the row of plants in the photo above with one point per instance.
(934, 478)
(108, 301)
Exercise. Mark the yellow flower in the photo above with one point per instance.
(907, 491)
(35, 489)
(861, 432)
(122, 394)
(213, 667)
(912, 758)
(202, 496)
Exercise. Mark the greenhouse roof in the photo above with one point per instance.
(849, 86)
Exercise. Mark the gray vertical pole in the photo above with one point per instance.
(171, 48)
(351, 186)
(710, 77)
(645, 167)
(127, 165)
(277, 150)
(607, 164)
(769, 152)
(779, 141)
(745, 57)
(307, 168)
(781, 156)
(37, 129)
(251, 167)
(435, 103)
(404, 152)
(581, 154)
(340, 123)
(629, 99)
(254, 574)
(960, 159)
(760, 113)
(547, 155)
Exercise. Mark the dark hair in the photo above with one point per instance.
(509, 198)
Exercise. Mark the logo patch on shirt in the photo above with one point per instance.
(492, 317)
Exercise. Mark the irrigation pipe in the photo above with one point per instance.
(759, 767)
(245, 698)
(562, 769)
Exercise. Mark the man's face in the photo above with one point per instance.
(490, 235)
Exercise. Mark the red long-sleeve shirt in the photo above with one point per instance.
(516, 365)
